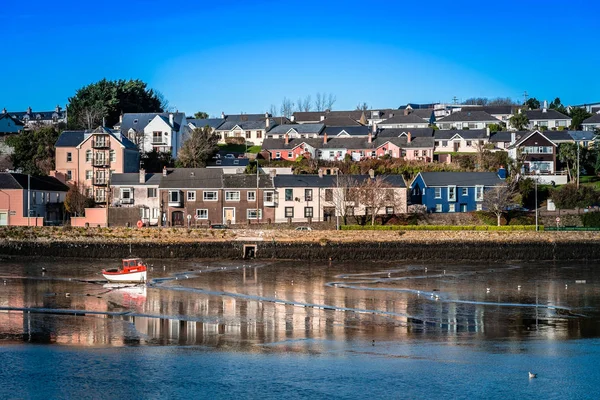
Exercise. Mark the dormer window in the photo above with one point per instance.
(135, 121)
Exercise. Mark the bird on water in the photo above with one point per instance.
(532, 375)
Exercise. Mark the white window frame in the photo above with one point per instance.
(89, 174)
(200, 211)
(191, 195)
(269, 196)
(129, 192)
(438, 208)
(451, 190)
(232, 195)
(206, 192)
(69, 156)
(251, 195)
(178, 199)
(88, 156)
(253, 213)
(112, 156)
(464, 191)
(452, 207)
(479, 190)
(479, 207)
(151, 193)
(437, 193)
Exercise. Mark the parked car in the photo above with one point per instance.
(229, 156)
(304, 228)
(219, 226)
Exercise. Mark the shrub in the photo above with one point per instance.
(591, 219)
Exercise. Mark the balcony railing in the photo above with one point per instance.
(100, 144)
(100, 181)
(100, 162)
(127, 201)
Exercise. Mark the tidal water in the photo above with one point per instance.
(208, 329)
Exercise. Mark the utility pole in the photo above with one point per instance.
(454, 100)
(577, 143)
(525, 96)
(337, 212)
(28, 197)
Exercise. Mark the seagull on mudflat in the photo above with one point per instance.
(487, 290)
(532, 375)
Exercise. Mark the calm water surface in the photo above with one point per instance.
(203, 329)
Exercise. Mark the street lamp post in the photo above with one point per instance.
(536, 207)
(337, 212)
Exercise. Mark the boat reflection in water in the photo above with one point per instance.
(298, 308)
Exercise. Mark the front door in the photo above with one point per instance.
(3, 218)
(177, 218)
(229, 215)
(463, 208)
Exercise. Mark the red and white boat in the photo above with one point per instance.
(133, 270)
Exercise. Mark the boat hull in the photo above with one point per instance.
(133, 277)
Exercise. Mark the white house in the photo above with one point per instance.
(548, 118)
(467, 120)
(592, 123)
(164, 132)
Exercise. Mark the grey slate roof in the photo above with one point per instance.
(469, 116)
(467, 134)
(505, 136)
(138, 121)
(404, 119)
(536, 115)
(594, 119)
(332, 120)
(243, 181)
(133, 179)
(244, 117)
(282, 181)
(582, 135)
(11, 180)
(414, 132)
(461, 178)
(492, 109)
(251, 125)
(70, 139)
(192, 178)
(33, 115)
(558, 136)
(300, 128)
(16, 121)
(359, 130)
(316, 115)
(201, 123)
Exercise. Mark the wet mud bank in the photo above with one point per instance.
(314, 251)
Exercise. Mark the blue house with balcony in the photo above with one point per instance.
(446, 192)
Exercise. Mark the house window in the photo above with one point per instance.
(328, 194)
(155, 213)
(289, 154)
(252, 195)
(277, 154)
(88, 156)
(69, 175)
(464, 191)
(451, 207)
(319, 154)
(424, 153)
(438, 208)
(478, 193)
(451, 193)
(88, 174)
(308, 194)
(259, 134)
(113, 156)
(289, 212)
(289, 194)
(444, 143)
(438, 193)
(191, 196)
(269, 197)
(88, 193)
(254, 214)
(423, 192)
(248, 134)
(157, 138)
(308, 212)
(69, 157)
(232, 196)
(210, 196)
(174, 196)
(202, 213)
(479, 207)
(126, 194)
(389, 210)
(331, 154)
(416, 153)
(436, 144)
(151, 192)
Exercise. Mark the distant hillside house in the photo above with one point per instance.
(250, 132)
(467, 120)
(404, 122)
(30, 118)
(592, 123)
(164, 132)
(547, 118)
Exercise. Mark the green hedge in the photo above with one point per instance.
(591, 219)
(439, 228)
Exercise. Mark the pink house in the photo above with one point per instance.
(88, 159)
(45, 202)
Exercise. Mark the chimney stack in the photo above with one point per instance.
(406, 111)
(121, 118)
(4, 111)
(292, 118)
(545, 109)
(29, 110)
(142, 175)
(374, 128)
(408, 138)
(325, 138)
(370, 140)
(273, 173)
(164, 171)
(372, 173)
(287, 139)
(487, 131)
(320, 172)
(222, 115)
(57, 109)
(171, 120)
(513, 137)
(267, 122)
(322, 117)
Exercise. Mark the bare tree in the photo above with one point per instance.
(91, 116)
(375, 194)
(137, 137)
(330, 101)
(362, 106)
(497, 199)
(76, 201)
(164, 103)
(198, 148)
(343, 195)
(319, 102)
(273, 110)
(287, 107)
(306, 104)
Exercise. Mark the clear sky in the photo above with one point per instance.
(243, 56)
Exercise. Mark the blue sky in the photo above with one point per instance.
(237, 56)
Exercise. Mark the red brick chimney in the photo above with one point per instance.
(370, 137)
(408, 138)
(287, 139)
(325, 138)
